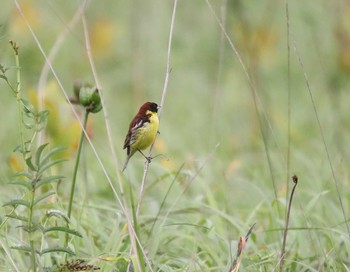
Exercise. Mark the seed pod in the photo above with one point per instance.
(85, 96)
(96, 104)
(90, 99)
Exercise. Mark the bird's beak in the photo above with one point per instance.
(159, 106)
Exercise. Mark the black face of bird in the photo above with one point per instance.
(153, 107)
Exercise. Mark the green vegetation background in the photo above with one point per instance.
(235, 158)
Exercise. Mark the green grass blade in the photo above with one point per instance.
(18, 217)
(39, 152)
(63, 229)
(22, 183)
(16, 202)
(48, 180)
(57, 249)
(47, 165)
(22, 248)
(51, 153)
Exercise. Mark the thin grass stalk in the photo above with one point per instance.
(334, 178)
(82, 136)
(51, 56)
(220, 66)
(17, 91)
(240, 249)
(165, 88)
(164, 199)
(259, 110)
(285, 232)
(139, 252)
(135, 242)
(288, 100)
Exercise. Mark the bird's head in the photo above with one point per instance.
(149, 106)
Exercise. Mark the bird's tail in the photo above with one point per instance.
(126, 163)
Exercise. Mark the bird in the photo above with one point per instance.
(142, 131)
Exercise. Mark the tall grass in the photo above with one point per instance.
(253, 94)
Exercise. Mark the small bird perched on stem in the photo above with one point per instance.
(142, 130)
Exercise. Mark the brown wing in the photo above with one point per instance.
(135, 124)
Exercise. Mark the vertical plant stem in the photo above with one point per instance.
(283, 250)
(70, 203)
(17, 91)
(32, 249)
(31, 229)
(165, 88)
(139, 253)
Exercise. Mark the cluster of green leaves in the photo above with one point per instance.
(33, 181)
(31, 213)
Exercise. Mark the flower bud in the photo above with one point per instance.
(90, 99)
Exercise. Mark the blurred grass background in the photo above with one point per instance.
(209, 102)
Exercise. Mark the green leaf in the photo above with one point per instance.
(48, 180)
(24, 174)
(27, 106)
(17, 202)
(3, 77)
(33, 228)
(28, 125)
(39, 152)
(30, 164)
(42, 118)
(63, 229)
(57, 213)
(22, 248)
(18, 217)
(57, 249)
(43, 168)
(42, 197)
(21, 182)
(53, 152)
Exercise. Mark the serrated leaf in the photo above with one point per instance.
(39, 152)
(20, 182)
(31, 229)
(43, 168)
(57, 249)
(57, 213)
(63, 229)
(22, 248)
(18, 217)
(16, 202)
(24, 174)
(53, 152)
(42, 197)
(48, 180)
(30, 164)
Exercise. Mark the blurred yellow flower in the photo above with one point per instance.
(102, 36)
(18, 24)
(16, 162)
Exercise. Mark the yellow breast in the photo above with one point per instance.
(147, 133)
